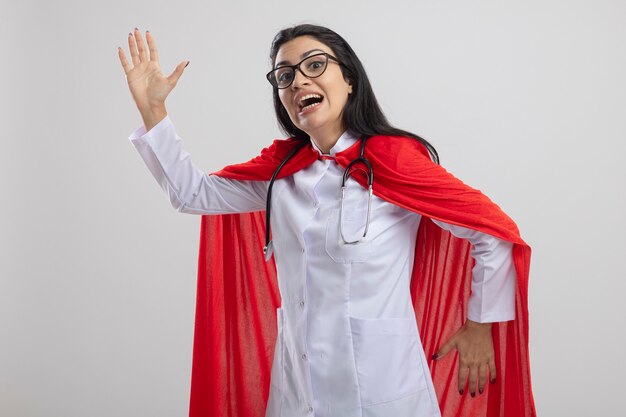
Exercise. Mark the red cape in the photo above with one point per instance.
(238, 294)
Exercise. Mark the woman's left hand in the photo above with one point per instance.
(476, 355)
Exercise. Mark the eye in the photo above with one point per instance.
(284, 75)
(315, 65)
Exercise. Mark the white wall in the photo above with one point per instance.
(524, 100)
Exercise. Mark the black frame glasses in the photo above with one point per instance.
(271, 76)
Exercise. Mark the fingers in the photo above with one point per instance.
(132, 48)
(473, 379)
(445, 348)
(154, 55)
(476, 358)
(468, 369)
(463, 373)
(492, 370)
(482, 377)
(141, 46)
(137, 50)
(178, 71)
(137, 47)
(120, 53)
(477, 375)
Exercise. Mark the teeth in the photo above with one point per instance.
(311, 105)
(307, 97)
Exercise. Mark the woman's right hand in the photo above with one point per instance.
(148, 86)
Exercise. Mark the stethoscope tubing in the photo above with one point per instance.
(370, 183)
(268, 248)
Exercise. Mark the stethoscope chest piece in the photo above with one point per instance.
(268, 250)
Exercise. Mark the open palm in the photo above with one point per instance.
(148, 86)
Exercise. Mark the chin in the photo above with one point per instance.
(311, 124)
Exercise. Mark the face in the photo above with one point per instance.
(322, 121)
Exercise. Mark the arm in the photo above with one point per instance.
(492, 299)
(191, 190)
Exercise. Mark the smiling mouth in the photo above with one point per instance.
(309, 101)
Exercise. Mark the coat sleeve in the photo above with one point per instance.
(189, 189)
(493, 275)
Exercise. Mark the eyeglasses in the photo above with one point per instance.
(311, 67)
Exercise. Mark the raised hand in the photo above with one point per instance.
(148, 86)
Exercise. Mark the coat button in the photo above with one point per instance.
(302, 303)
(304, 356)
(310, 409)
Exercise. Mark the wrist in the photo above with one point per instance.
(476, 325)
(154, 109)
(153, 115)
(157, 106)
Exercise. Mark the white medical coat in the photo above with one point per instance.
(348, 343)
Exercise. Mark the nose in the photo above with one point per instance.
(299, 79)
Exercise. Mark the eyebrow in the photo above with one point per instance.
(304, 55)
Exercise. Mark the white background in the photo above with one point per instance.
(524, 100)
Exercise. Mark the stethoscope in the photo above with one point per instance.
(269, 247)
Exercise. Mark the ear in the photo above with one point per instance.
(349, 88)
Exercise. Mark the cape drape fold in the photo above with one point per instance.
(237, 296)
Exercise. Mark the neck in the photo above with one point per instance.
(326, 140)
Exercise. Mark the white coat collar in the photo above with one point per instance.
(346, 140)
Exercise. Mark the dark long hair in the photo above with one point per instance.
(362, 114)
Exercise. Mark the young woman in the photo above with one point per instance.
(351, 202)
